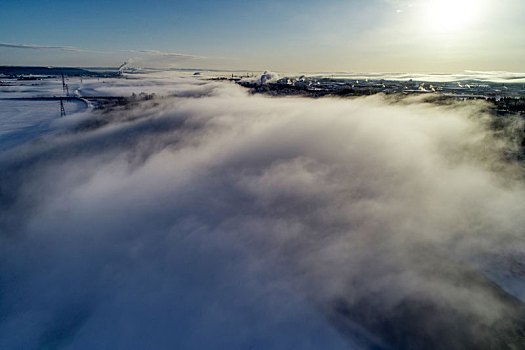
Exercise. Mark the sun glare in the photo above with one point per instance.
(452, 15)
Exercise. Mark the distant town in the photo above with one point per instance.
(506, 97)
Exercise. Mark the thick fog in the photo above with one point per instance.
(214, 219)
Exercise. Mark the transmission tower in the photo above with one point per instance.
(65, 88)
(62, 109)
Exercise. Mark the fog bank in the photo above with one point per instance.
(211, 218)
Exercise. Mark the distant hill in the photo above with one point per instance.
(14, 70)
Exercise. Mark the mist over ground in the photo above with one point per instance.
(212, 218)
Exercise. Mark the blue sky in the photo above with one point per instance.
(293, 35)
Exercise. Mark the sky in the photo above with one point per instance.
(440, 36)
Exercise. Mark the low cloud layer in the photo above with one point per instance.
(217, 219)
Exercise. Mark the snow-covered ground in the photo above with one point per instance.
(24, 117)
(24, 120)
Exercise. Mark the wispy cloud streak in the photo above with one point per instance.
(157, 53)
(166, 54)
(45, 47)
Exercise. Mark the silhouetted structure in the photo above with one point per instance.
(62, 109)
(65, 88)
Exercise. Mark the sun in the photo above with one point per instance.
(452, 15)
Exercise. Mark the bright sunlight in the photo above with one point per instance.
(453, 15)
